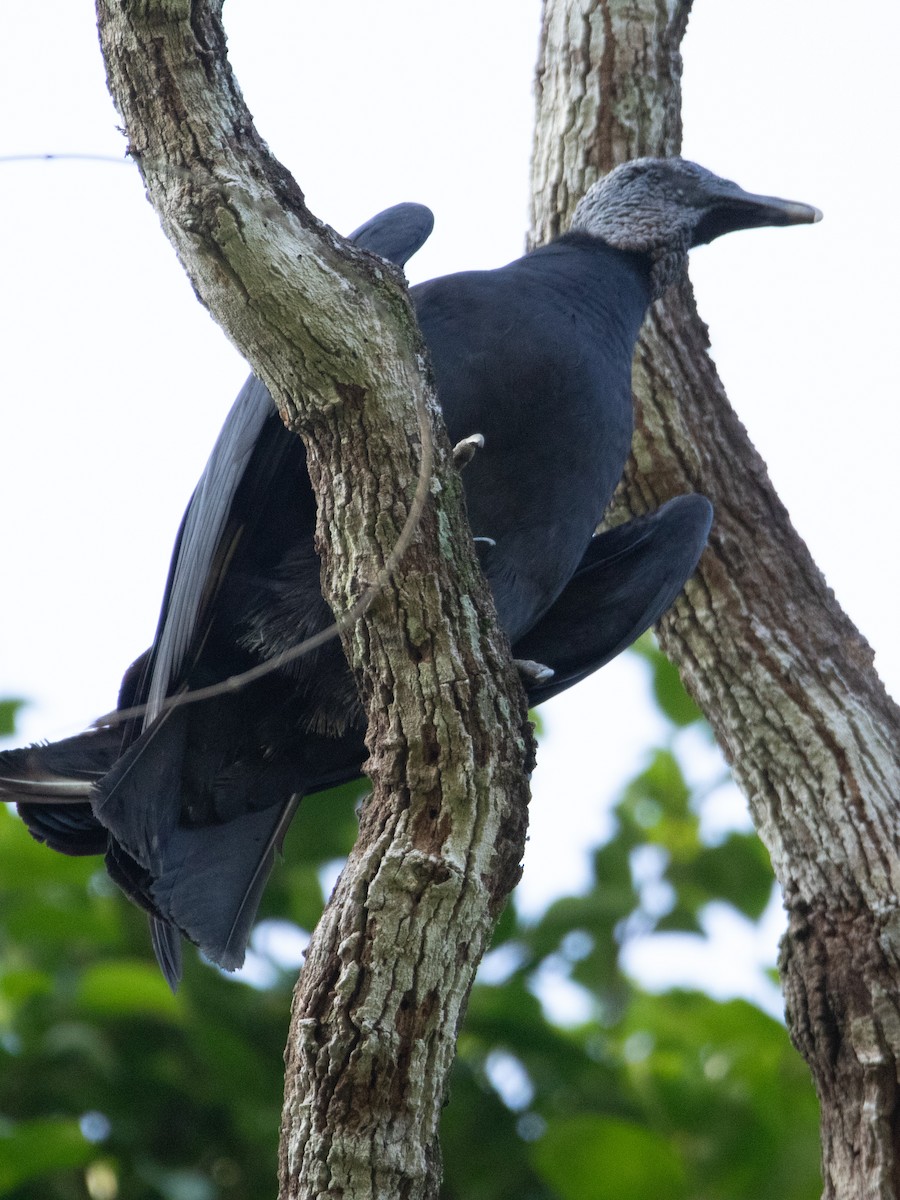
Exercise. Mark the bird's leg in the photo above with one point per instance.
(464, 451)
(533, 672)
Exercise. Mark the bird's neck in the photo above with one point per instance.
(669, 265)
(614, 287)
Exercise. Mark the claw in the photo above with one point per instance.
(464, 451)
(484, 541)
(533, 672)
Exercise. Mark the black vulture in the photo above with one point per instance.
(190, 802)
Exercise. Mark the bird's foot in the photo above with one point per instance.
(533, 672)
(464, 451)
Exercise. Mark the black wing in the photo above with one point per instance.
(628, 578)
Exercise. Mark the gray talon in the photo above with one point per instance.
(464, 451)
(533, 672)
(484, 541)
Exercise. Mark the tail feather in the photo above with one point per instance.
(128, 874)
(53, 784)
(166, 941)
(139, 798)
(212, 879)
(62, 772)
(68, 828)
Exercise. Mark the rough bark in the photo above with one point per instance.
(331, 332)
(785, 679)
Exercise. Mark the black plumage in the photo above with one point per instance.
(189, 803)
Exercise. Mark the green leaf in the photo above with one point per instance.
(127, 987)
(660, 788)
(325, 825)
(8, 711)
(738, 871)
(724, 1083)
(603, 1158)
(31, 1149)
(668, 689)
(19, 986)
(303, 893)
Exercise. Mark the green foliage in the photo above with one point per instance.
(87, 1026)
(32, 1148)
(668, 690)
(591, 1157)
(111, 1087)
(8, 710)
(182, 1093)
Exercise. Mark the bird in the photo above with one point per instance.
(532, 366)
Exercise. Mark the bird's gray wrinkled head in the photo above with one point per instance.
(665, 206)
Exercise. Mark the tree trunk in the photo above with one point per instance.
(783, 676)
(332, 334)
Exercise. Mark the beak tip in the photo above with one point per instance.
(801, 214)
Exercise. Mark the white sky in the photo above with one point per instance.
(114, 380)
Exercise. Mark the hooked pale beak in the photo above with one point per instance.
(737, 209)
